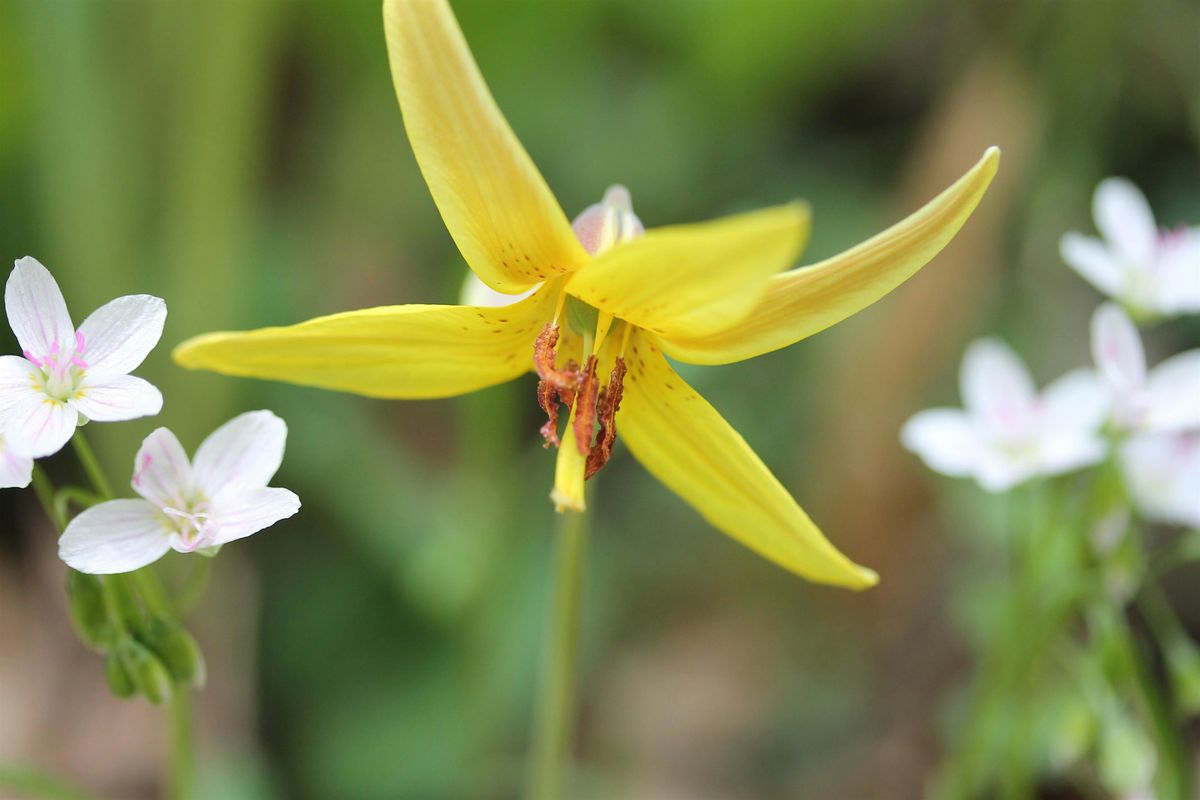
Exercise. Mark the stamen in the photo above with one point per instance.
(545, 357)
(548, 399)
(585, 408)
(80, 344)
(32, 359)
(556, 385)
(607, 407)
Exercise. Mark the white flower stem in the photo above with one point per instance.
(553, 734)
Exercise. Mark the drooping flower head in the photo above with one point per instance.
(607, 301)
(68, 375)
(1163, 399)
(186, 505)
(1007, 432)
(1152, 272)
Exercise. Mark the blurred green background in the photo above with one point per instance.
(246, 160)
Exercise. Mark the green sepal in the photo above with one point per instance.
(85, 596)
(177, 650)
(581, 317)
(147, 673)
(119, 682)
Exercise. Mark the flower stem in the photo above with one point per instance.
(555, 710)
(180, 767)
(44, 489)
(87, 458)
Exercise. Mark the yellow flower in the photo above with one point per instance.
(603, 316)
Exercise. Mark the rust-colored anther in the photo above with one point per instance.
(585, 407)
(548, 400)
(606, 413)
(545, 361)
(556, 385)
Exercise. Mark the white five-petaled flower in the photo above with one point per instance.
(1163, 399)
(1007, 433)
(1152, 272)
(1162, 473)
(16, 471)
(187, 506)
(68, 373)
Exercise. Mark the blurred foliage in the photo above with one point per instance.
(247, 162)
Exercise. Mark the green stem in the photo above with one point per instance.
(91, 465)
(189, 597)
(31, 783)
(44, 489)
(181, 766)
(555, 713)
(152, 592)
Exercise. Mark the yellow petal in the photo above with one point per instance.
(415, 351)
(694, 280)
(808, 300)
(501, 214)
(568, 494)
(687, 445)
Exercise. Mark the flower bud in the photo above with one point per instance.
(177, 651)
(145, 671)
(119, 681)
(85, 594)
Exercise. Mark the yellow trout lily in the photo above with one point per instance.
(609, 303)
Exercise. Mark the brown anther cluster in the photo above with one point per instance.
(556, 385)
(571, 387)
(606, 413)
(585, 407)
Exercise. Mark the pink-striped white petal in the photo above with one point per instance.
(16, 471)
(36, 426)
(1094, 262)
(1078, 401)
(36, 310)
(997, 389)
(945, 439)
(1178, 272)
(1173, 394)
(242, 454)
(117, 397)
(238, 515)
(1124, 218)
(1162, 472)
(116, 536)
(1117, 349)
(161, 471)
(17, 380)
(118, 336)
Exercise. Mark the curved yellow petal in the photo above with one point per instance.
(508, 225)
(414, 351)
(687, 445)
(808, 300)
(694, 280)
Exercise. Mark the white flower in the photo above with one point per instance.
(15, 471)
(475, 292)
(1167, 398)
(221, 496)
(1162, 472)
(1152, 272)
(69, 374)
(1008, 433)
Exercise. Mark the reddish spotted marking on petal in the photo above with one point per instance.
(606, 414)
